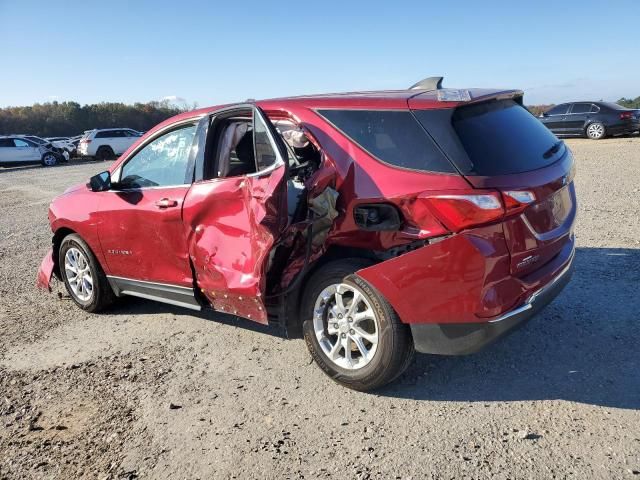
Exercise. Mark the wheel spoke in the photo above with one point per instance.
(360, 344)
(340, 302)
(369, 337)
(353, 308)
(333, 353)
(362, 316)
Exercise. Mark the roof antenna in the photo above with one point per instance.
(431, 83)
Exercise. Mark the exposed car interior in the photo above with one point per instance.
(240, 148)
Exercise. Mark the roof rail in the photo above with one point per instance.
(431, 83)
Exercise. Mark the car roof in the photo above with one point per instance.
(378, 99)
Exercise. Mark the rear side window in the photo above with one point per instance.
(498, 137)
(107, 134)
(581, 108)
(394, 137)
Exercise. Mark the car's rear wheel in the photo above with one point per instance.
(596, 131)
(83, 276)
(104, 153)
(352, 332)
(49, 159)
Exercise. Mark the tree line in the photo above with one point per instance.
(57, 119)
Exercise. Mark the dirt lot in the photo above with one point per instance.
(152, 391)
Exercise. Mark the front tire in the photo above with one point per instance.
(49, 159)
(83, 276)
(596, 131)
(351, 331)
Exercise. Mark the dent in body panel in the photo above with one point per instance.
(446, 282)
(231, 226)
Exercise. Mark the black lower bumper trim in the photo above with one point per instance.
(465, 338)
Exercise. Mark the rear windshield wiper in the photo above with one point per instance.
(553, 150)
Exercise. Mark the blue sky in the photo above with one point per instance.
(216, 52)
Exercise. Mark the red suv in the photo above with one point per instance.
(372, 223)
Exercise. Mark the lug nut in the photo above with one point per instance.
(352, 331)
(339, 315)
(344, 335)
(349, 319)
(335, 325)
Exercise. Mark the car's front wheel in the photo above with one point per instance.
(352, 332)
(596, 131)
(49, 159)
(83, 276)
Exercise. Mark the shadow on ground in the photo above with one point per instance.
(583, 347)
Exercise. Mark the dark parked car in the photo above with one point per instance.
(372, 223)
(596, 120)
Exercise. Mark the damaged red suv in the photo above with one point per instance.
(373, 224)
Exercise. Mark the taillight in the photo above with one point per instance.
(626, 115)
(517, 200)
(85, 140)
(460, 211)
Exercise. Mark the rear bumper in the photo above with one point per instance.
(465, 338)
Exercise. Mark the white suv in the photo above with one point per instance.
(107, 143)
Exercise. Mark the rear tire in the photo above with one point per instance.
(104, 153)
(83, 276)
(595, 131)
(362, 347)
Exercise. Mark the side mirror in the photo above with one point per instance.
(100, 182)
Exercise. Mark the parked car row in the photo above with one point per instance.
(594, 120)
(101, 144)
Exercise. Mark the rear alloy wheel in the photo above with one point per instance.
(49, 159)
(595, 131)
(352, 332)
(104, 153)
(83, 276)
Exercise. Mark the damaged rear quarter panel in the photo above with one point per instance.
(231, 225)
(462, 278)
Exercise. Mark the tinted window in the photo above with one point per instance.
(558, 110)
(6, 142)
(496, 138)
(393, 137)
(581, 108)
(107, 134)
(162, 162)
(594, 109)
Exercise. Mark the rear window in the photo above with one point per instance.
(498, 137)
(393, 137)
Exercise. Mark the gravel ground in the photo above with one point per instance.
(151, 391)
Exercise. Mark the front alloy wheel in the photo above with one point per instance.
(83, 276)
(49, 159)
(78, 274)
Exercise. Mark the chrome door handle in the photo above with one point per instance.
(166, 203)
